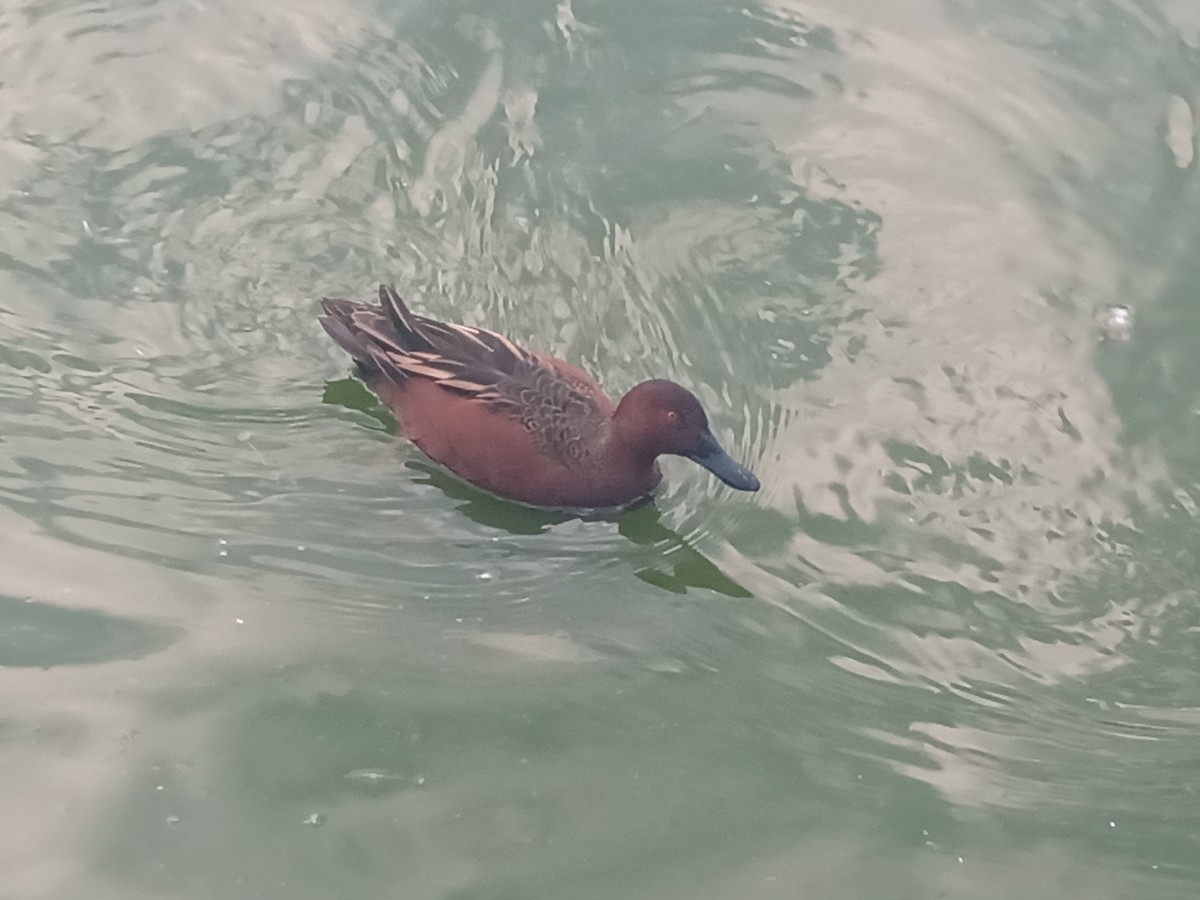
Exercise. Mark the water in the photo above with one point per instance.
(253, 645)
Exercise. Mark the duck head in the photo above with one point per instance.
(659, 416)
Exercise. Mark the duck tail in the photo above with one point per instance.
(401, 318)
(338, 323)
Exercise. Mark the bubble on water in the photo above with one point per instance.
(1181, 131)
(315, 819)
(172, 821)
(1116, 323)
(371, 776)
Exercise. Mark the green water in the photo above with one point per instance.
(253, 645)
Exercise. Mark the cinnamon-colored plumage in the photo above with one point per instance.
(528, 427)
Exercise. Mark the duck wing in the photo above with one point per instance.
(562, 410)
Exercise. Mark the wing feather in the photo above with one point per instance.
(391, 341)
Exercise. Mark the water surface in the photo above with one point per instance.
(253, 644)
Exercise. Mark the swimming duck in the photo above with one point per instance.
(522, 425)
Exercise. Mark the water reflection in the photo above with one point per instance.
(871, 237)
(43, 635)
(643, 523)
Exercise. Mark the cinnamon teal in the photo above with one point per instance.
(528, 427)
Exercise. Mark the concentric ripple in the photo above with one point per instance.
(871, 237)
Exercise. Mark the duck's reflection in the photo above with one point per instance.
(679, 568)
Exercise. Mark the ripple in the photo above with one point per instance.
(872, 248)
(873, 244)
(43, 635)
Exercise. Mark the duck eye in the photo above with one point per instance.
(672, 417)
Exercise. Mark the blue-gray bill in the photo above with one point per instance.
(710, 455)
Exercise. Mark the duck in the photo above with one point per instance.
(522, 425)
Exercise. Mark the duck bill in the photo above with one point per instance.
(710, 455)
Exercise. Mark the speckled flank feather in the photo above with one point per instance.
(392, 342)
